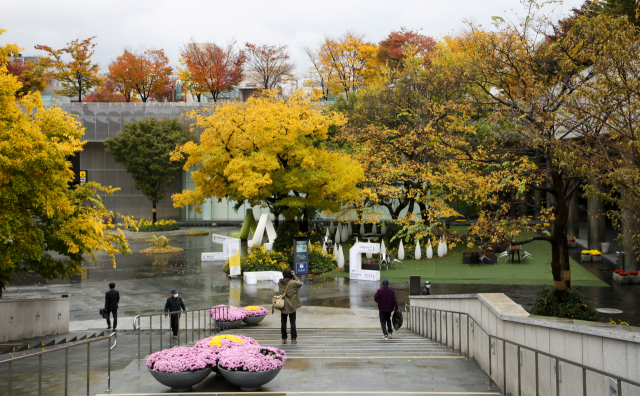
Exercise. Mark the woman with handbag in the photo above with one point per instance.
(289, 286)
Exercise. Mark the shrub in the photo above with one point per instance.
(260, 259)
(284, 238)
(147, 225)
(319, 261)
(573, 306)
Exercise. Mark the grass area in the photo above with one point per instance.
(161, 250)
(449, 269)
(196, 233)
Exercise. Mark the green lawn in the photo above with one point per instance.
(449, 269)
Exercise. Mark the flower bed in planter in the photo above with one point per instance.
(572, 242)
(585, 256)
(621, 277)
(252, 366)
(254, 314)
(596, 256)
(238, 358)
(227, 318)
(181, 368)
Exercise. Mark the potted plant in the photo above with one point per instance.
(252, 366)
(181, 368)
(624, 278)
(596, 256)
(254, 314)
(634, 277)
(227, 318)
(572, 242)
(616, 276)
(585, 256)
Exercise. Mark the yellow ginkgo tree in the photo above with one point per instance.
(47, 224)
(271, 153)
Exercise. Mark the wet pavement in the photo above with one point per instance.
(144, 282)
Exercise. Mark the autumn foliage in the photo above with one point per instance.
(143, 71)
(213, 68)
(268, 65)
(393, 49)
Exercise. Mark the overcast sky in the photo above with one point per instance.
(168, 24)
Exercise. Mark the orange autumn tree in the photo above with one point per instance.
(145, 72)
(212, 67)
(392, 49)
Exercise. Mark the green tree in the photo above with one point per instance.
(144, 148)
(44, 226)
(78, 76)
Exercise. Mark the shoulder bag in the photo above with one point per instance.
(278, 301)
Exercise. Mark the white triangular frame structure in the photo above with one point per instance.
(264, 223)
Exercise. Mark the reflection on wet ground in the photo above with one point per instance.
(144, 282)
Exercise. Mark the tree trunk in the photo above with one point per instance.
(559, 249)
(304, 224)
(154, 213)
(423, 213)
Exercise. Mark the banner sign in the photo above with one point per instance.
(234, 256)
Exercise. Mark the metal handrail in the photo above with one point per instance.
(65, 348)
(430, 330)
(214, 325)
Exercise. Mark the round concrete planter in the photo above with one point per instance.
(596, 259)
(253, 320)
(249, 381)
(585, 258)
(181, 382)
(227, 325)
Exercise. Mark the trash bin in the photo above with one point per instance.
(414, 285)
(620, 260)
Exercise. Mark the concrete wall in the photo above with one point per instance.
(53, 318)
(608, 348)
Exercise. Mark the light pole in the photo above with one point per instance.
(173, 98)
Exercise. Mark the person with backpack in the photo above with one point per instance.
(387, 303)
(288, 287)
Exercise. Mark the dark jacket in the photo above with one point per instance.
(111, 300)
(292, 299)
(426, 291)
(174, 304)
(386, 299)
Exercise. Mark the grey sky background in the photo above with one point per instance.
(169, 24)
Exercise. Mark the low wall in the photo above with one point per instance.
(607, 348)
(33, 318)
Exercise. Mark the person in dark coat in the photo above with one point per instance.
(174, 304)
(387, 303)
(426, 291)
(292, 302)
(111, 300)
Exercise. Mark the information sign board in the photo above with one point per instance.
(301, 254)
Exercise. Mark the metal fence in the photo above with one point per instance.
(9, 363)
(429, 323)
(206, 325)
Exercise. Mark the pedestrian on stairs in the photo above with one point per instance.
(111, 300)
(174, 304)
(288, 287)
(387, 302)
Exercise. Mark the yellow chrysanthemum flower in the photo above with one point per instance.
(252, 308)
(217, 340)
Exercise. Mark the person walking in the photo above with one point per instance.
(174, 304)
(387, 303)
(289, 286)
(426, 291)
(111, 300)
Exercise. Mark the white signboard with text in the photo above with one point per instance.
(219, 256)
(355, 261)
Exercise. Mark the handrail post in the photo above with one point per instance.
(468, 338)
(584, 381)
(88, 366)
(108, 390)
(537, 387)
(150, 334)
(160, 332)
(460, 332)
(490, 379)
(558, 378)
(139, 359)
(66, 371)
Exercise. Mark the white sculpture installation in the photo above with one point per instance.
(337, 237)
(324, 248)
(349, 229)
(444, 245)
(327, 233)
(335, 251)
(418, 251)
(383, 249)
(429, 250)
(440, 249)
(340, 257)
(383, 230)
(362, 229)
(401, 251)
(345, 234)
(264, 224)
(374, 230)
(369, 254)
(331, 227)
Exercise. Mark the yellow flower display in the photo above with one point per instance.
(252, 308)
(217, 340)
